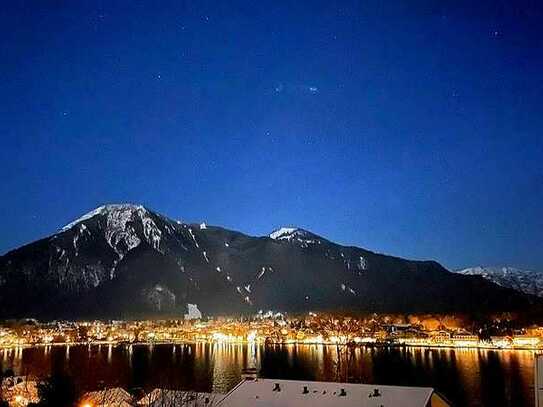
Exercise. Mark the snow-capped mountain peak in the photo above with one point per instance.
(104, 209)
(526, 281)
(284, 233)
(295, 235)
(118, 226)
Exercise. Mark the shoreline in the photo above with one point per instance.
(361, 345)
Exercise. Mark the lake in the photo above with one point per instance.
(471, 378)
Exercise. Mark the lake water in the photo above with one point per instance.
(466, 377)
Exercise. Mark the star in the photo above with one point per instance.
(271, 138)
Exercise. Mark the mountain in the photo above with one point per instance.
(122, 261)
(526, 281)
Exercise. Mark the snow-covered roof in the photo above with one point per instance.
(293, 393)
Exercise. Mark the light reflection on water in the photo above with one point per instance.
(468, 377)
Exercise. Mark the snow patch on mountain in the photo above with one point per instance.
(119, 234)
(151, 232)
(362, 264)
(82, 233)
(345, 287)
(263, 271)
(193, 238)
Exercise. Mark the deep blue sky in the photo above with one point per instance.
(411, 128)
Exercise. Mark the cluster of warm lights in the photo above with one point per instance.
(20, 400)
(311, 329)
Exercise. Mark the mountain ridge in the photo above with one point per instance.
(526, 281)
(124, 260)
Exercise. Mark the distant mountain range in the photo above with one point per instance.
(526, 281)
(124, 261)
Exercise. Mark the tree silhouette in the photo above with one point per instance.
(58, 390)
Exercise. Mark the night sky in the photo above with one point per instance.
(409, 128)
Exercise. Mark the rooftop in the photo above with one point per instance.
(291, 393)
